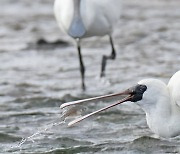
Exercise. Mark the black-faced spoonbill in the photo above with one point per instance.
(86, 18)
(160, 102)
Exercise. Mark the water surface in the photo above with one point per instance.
(39, 71)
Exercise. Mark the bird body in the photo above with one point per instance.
(174, 88)
(98, 16)
(162, 112)
(63, 11)
(86, 18)
(161, 104)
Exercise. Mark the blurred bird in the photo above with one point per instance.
(87, 18)
(160, 102)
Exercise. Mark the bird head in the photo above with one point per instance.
(149, 92)
(145, 94)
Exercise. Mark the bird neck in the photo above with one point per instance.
(156, 100)
(77, 4)
(77, 28)
(159, 116)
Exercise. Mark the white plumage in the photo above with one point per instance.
(98, 16)
(161, 104)
(85, 18)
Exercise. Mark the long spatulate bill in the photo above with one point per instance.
(100, 110)
(92, 99)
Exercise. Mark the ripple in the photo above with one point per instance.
(76, 149)
(40, 71)
(6, 138)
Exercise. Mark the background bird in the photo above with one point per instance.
(86, 18)
(160, 102)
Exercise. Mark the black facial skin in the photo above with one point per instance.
(137, 92)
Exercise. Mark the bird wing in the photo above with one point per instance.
(174, 87)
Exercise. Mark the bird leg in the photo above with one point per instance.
(82, 68)
(105, 57)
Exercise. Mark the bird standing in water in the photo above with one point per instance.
(160, 102)
(87, 18)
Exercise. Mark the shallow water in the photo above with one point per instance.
(39, 71)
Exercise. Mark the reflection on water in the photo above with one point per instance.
(39, 71)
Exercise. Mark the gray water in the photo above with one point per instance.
(37, 76)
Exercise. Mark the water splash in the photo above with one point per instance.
(66, 113)
(39, 132)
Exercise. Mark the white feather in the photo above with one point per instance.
(98, 16)
(174, 87)
(160, 102)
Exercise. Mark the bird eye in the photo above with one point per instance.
(142, 88)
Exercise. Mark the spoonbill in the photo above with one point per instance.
(160, 102)
(86, 18)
